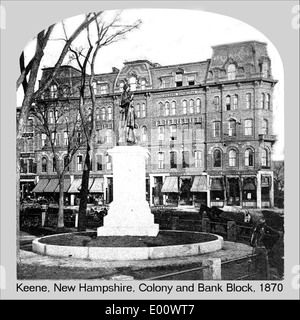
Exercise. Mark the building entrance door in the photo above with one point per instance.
(185, 193)
(233, 192)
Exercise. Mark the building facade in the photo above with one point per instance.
(207, 126)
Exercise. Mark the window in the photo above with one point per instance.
(228, 103)
(217, 159)
(98, 136)
(132, 83)
(262, 101)
(143, 84)
(53, 138)
(97, 114)
(160, 109)
(44, 139)
(121, 86)
(53, 91)
(161, 160)
(167, 108)
(185, 131)
(67, 163)
(265, 126)
(138, 110)
(54, 165)
(185, 159)
(103, 114)
(265, 69)
(23, 166)
(198, 106)
(109, 113)
(103, 88)
(267, 101)
(231, 72)
(191, 105)
(51, 116)
(144, 134)
(29, 125)
(235, 102)
(217, 129)
(232, 158)
(217, 103)
(191, 80)
(165, 83)
(161, 133)
(264, 158)
(79, 163)
(248, 101)
(173, 159)
(198, 159)
(184, 107)
(249, 158)
(79, 137)
(99, 162)
(178, 80)
(108, 162)
(65, 91)
(29, 145)
(44, 164)
(94, 85)
(248, 127)
(199, 131)
(143, 110)
(108, 136)
(173, 132)
(232, 128)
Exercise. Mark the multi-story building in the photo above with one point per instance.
(207, 126)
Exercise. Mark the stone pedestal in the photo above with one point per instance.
(129, 213)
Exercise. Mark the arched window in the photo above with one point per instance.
(185, 159)
(161, 133)
(44, 164)
(249, 158)
(109, 113)
(235, 102)
(143, 110)
(103, 114)
(265, 126)
(51, 116)
(173, 108)
(216, 129)
(265, 158)
(161, 160)
(167, 108)
(143, 84)
(198, 159)
(198, 105)
(262, 101)
(54, 165)
(98, 162)
(53, 91)
(232, 128)
(184, 107)
(132, 82)
(66, 163)
(248, 127)
(228, 103)
(144, 134)
(173, 159)
(138, 110)
(231, 72)
(79, 161)
(232, 158)
(267, 106)
(191, 106)
(29, 145)
(217, 103)
(248, 101)
(173, 132)
(160, 109)
(217, 160)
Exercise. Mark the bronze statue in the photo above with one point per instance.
(128, 117)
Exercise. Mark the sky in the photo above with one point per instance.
(174, 36)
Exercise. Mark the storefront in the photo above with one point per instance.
(170, 188)
(217, 194)
(249, 198)
(199, 191)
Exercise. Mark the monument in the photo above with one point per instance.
(129, 213)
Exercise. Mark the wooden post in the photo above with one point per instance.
(205, 225)
(174, 223)
(212, 270)
(262, 262)
(231, 231)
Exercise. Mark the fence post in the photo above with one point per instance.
(174, 223)
(205, 225)
(262, 262)
(212, 270)
(231, 231)
(76, 219)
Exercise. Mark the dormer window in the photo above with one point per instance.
(231, 72)
(53, 91)
(103, 88)
(132, 82)
(178, 79)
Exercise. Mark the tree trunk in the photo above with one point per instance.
(60, 220)
(84, 191)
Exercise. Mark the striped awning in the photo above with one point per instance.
(216, 184)
(51, 186)
(67, 183)
(199, 184)
(41, 185)
(76, 185)
(97, 186)
(170, 185)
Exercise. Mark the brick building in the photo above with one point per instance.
(207, 126)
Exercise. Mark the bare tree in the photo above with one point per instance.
(28, 80)
(105, 33)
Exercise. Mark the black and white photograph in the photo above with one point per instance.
(150, 157)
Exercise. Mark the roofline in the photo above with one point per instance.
(238, 43)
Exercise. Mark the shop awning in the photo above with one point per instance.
(41, 185)
(76, 185)
(51, 186)
(199, 184)
(97, 186)
(216, 184)
(170, 185)
(249, 185)
(67, 183)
